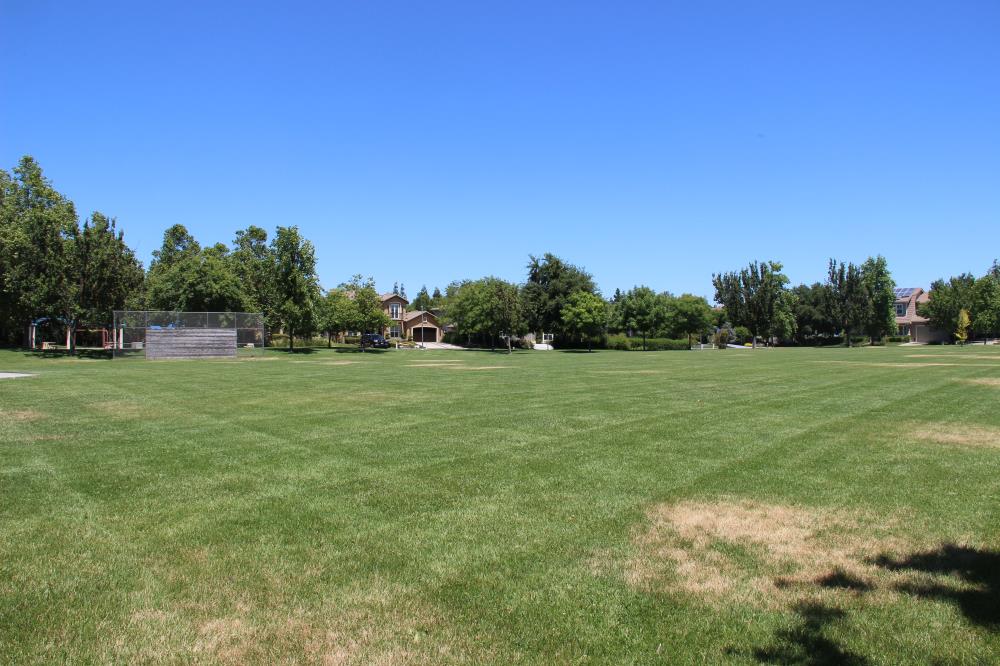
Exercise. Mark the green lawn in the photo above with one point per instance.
(786, 506)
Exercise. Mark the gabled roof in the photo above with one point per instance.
(905, 294)
(417, 314)
(389, 296)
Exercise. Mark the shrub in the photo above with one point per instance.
(624, 343)
(721, 338)
(898, 338)
(281, 340)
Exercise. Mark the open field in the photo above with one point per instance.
(782, 506)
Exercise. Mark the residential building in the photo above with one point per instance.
(909, 322)
(416, 325)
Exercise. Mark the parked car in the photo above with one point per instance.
(374, 340)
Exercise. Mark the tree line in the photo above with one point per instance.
(965, 304)
(55, 267)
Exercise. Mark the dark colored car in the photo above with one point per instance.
(374, 340)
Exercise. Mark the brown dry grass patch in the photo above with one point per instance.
(959, 434)
(129, 409)
(20, 415)
(985, 381)
(627, 372)
(379, 625)
(885, 364)
(765, 555)
(982, 357)
(451, 365)
(432, 364)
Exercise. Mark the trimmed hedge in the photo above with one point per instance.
(624, 343)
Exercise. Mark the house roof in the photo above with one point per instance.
(389, 296)
(416, 314)
(906, 294)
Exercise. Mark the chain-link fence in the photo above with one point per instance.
(186, 334)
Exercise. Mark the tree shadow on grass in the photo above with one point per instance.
(842, 580)
(55, 354)
(806, 643)
(978, 570)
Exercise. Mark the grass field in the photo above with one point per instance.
(782, 506)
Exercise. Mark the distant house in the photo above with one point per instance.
(418, 325)
(912, 324)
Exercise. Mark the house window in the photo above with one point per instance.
(394, 332)
(394, 310)
(900, 309)
(548, 337)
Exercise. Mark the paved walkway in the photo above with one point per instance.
(442, 345)
(13, 375)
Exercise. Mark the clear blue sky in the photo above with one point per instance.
(650, 142)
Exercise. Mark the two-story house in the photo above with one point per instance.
(418, 325)
(910, 323)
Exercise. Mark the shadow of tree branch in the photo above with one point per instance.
(977, 568)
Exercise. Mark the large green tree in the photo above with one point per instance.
(337, 313)
(105, 270)
(847, 302)
(53, 267)
(947, 299)
(756, 297)
(36, 249)
(422, 301)
(689, 315)
(253, 263)
(585, 316)
(641, 310)
(185, 277)
(296, 285)
(551, 281)
(880, 311)
(986, 304)
(489, 307)
(369, 315)
(810, 312)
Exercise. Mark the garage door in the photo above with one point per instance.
(425, 335)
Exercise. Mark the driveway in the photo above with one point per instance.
(442, 345)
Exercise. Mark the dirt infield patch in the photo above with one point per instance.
(758, 554)
(959, 434)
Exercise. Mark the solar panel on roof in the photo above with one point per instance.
(904, 292)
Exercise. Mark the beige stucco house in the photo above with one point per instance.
(416, 325)
(908, 299)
